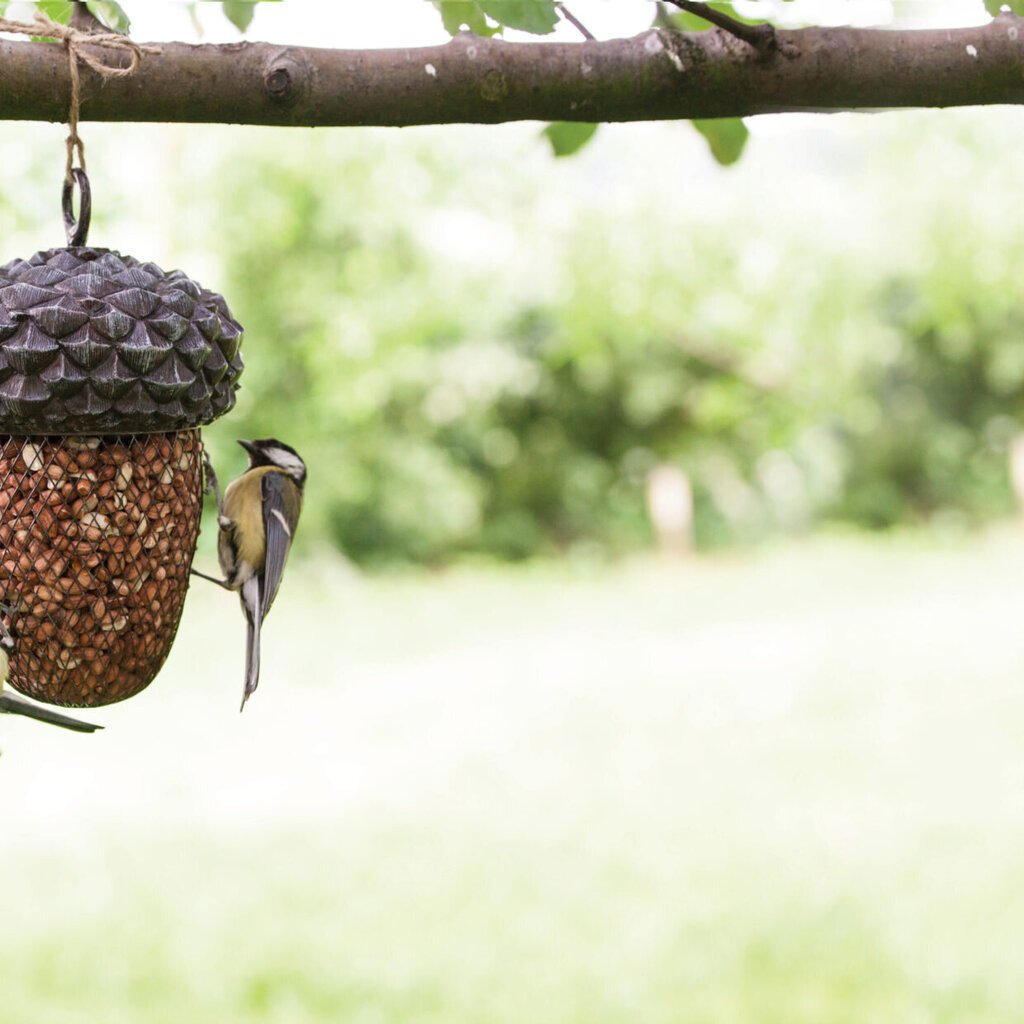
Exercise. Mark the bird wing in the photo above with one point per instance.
(278, 523)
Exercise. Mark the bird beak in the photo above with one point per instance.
(248, 446)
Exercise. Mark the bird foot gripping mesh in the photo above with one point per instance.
(96, 542)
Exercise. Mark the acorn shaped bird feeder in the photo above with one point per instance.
(108, 368)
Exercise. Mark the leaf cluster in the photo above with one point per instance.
(113, 16)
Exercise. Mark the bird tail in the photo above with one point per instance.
(252, 606)
(11, 705)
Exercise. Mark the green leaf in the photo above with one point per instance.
(110, 13)
(568, 137)
(239, 12)
(537, 16)
(726, 136)
(687, 22)
(56, 10)
(459, 14)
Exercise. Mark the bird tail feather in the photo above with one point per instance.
(252, 606)
(10, 705)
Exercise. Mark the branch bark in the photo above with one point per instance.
(653, 76)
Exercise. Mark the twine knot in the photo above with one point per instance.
(75, 41)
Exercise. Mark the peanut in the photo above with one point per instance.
(94, 552)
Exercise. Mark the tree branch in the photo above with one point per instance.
(575, 22)
(656, 75)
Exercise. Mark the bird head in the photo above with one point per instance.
(268, 451)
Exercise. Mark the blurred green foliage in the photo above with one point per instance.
(448, 416)
(470, 370)
(484, 352)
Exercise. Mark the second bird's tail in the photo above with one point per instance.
(11, 705)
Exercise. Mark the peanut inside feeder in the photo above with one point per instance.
(96, 542)
(108, 367)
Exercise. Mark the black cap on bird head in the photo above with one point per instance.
(268, 451)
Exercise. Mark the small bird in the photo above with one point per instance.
(257, 519)
(13, 705)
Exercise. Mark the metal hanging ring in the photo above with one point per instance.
(77, 231)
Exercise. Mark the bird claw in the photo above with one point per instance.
(213, 579)
(210, 479)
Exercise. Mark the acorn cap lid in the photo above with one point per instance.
(93, 342)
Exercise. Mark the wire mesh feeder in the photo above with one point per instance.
(108, 367)
(95, 547)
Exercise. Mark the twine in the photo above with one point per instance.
(73, 40)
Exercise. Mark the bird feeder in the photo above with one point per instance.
(108, 368)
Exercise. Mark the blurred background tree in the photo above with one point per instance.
(477, 368)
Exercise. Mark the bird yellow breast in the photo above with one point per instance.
(243, 505)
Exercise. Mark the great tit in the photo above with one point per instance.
(257, 519)
(13, 705)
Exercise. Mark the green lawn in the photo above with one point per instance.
(780, 788)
